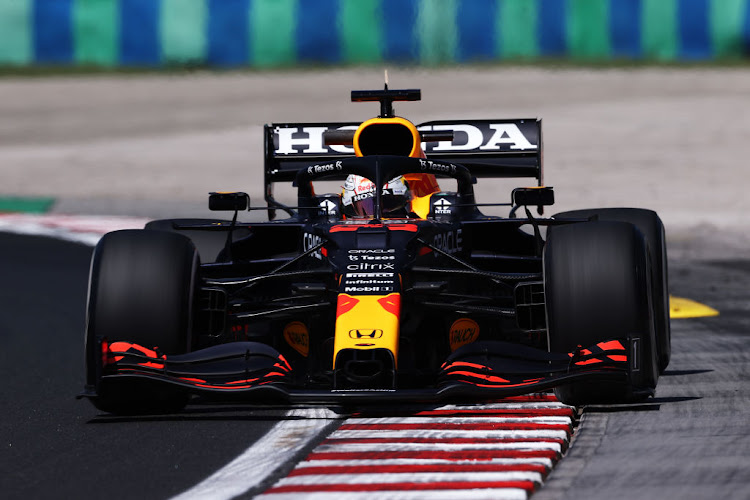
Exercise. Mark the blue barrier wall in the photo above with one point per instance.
(266, 33)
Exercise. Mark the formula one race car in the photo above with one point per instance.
(389, 289)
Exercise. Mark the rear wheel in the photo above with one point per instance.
(141, 290)
(650, 225)
(596, 280)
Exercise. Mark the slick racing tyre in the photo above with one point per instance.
(596, 281)
(210, 243)
(650, 225)
(141, 290)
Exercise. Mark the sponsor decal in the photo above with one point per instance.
(367, 187)
(374, 320)
(428, 165)
(365, 333)
(449, 242)
(328, 167)
(368, 282)
(327, 207)
(463, 331)
(297, 336)
(374, 250)
(368, 266)
(468, 137)
(311, 138)
(363, 196)
(296, 140)
(371, 257)
(480, 136)
(370, 275)
(442, 207)
(311, 241)
(360, 289)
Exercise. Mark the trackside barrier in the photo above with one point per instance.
(269, 33)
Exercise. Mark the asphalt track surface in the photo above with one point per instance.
(691, 441)
(669, 140)
(57, 447)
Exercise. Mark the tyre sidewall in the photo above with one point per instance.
(597, 288)
(141, 290)
(652, 228)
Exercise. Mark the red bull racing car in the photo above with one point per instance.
(396, 286)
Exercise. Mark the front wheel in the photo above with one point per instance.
(596, 280)
(141, 290)
(652, 228)
(209, 243)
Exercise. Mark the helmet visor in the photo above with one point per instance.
(358, 197)
(364, 207)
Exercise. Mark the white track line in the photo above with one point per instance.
(414, 477)
(491, 419)
(448, 433)
(423, 461)
(470, 494)
(514, 405)
(375, 447)
(277, 447)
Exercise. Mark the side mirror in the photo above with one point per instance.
(531, 196)
(228, 201)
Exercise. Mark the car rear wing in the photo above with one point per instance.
(488, 148)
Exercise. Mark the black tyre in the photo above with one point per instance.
(652, 228)
(141, 290)
(210, 244)
(597, 287)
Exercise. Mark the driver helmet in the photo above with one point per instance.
(358, 197)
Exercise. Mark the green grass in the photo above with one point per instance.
(27, 205)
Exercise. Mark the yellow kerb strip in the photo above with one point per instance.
(685, 308)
